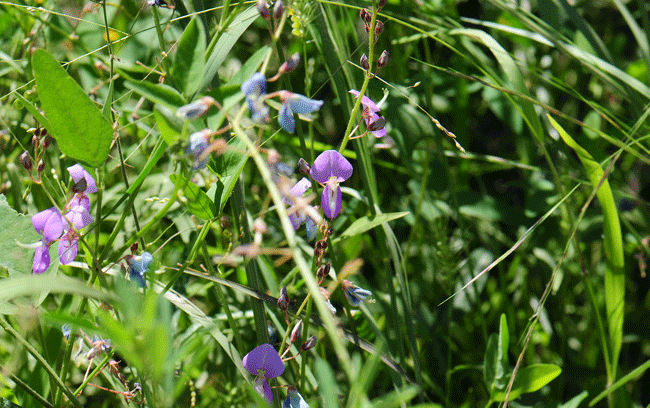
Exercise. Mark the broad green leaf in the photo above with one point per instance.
(76, 122)
(529, 379)
(614, 276)
(15, 228)
(228, 167)
(189, 61)
(496, 368)
(31, 108)
(169, 125)
(33, 285)
(226, 42)
(198, 201)
(369, 222)
(490, 361)
(503, 366)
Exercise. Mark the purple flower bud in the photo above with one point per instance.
(263, 8)
(297, 331)
(323, 271)
(199, 142)
(381, 3)
(134, 248)
(47, 140)
(26, 161)
(35, 141)
(379, 27)
(41, 166)
(364, 62)
(290, 64)
(383, 59)
(138, 266)
(195, 109)
(278, 9)
(303, 166)
(309, 344)
(365, 15)
(283, 300)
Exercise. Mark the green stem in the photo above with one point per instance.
(38, 397)
(92, 375)
(5, 325)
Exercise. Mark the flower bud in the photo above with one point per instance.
(297, 331)
(290, 64)
(379, 27)
(365, 15)
(364, 62)
(134, 248)
(309, 344)
(47, 140)
(263, 9)
(383, 59)
(283, 300)
(41, 166)
(26, 160)
(323, 271)
(303, 166)
(35, 141)
(381, 3)
(195, 109)
(278, 9)
(225, 222)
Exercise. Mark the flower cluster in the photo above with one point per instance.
(255, 90)
(65, 228)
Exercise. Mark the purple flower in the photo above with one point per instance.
(48, 223)
(198, 145)
(78, 217)
(77, 173)
(294, 399)
(295, 103)
(354, 294)
(297, 215)
(331, 168)
(264, 363)
(255, 90)
(372, 119)
(41, 258)
(195, 109)
(68, 247)
(138, 266)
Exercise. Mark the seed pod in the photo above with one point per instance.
(379, 27)
(26, 160)
(263, 9)
(364, 62)
(303, 166)
(309, 344)
(283, 300)
(365, 15)
(278, 9)
(383, 59)
(297, 331)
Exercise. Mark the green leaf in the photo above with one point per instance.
(169, 125)
(250, 67)
(198, 201)
(14, 228)
(496, 368)
(228, 167)
(76, 122)
(226, 42)
(490, 361)
(367, 223)
(614, 276)
(189, 61)
(33, 285)
(157, 93)
(529, 379)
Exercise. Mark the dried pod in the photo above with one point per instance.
(303, 166)
(278, 9)
(297, 331)
(383, 59)
(379, 27)
(364, 62)
(263, 9)
(26, 160)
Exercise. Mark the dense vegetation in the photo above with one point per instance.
(184, 183)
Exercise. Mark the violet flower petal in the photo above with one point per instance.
(77, 173)
(301, 104)
(365, 101)
(255, 85)
(48, 223)
(286, 120)
(328, 164)
(80, 200)
(41, 258)
(331, 200)
(79, 217)
(68, 248)
(264, 357)
(300, 187)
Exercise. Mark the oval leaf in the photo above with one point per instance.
(198, 202)
(189, 62)
(76, 122)
(530, 379)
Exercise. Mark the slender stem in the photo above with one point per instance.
(156, 19)
(92, 375)
(38, 397)
(5, 325)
